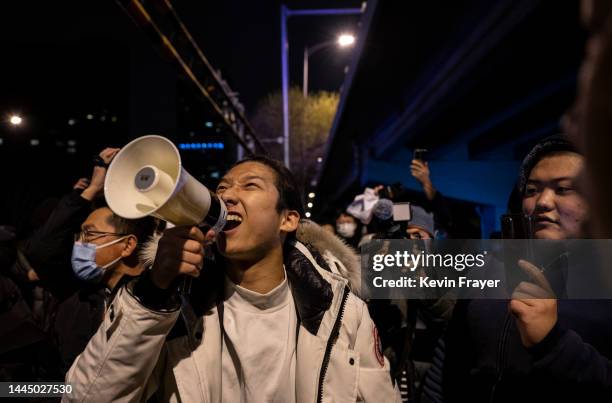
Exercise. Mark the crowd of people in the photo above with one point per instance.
(274, 311)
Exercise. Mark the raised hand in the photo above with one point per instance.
(180, 251)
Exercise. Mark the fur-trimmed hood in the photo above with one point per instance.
(341, 258)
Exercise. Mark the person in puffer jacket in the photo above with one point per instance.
(273, 318)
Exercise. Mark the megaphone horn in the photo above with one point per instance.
(147, 178)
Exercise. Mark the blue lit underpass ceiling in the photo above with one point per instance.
(475, 82)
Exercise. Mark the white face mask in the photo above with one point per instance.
(346, 229)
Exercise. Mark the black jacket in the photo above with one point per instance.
(80, 306)
(485, 360)
(49, 248)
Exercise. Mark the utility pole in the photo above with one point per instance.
(285, 14)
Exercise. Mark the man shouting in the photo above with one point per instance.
(269, 319)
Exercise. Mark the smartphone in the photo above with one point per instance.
(517, 226)
(552, 260)
(401, 212)
(386, 193)
(519, 229)
(420, 154)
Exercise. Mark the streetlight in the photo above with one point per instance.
(285, 14)
(15, 120)
(343, 41)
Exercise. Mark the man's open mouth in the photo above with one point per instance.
(232, 221)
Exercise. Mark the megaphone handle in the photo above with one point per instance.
(186, 286)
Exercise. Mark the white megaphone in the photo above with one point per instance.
(147, 178)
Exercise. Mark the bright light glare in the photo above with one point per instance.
(307, 215)
(345, 40)
(311, 195)
(16, 120)
(309, 205)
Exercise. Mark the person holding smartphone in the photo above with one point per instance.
(532, 347)
(434, 201)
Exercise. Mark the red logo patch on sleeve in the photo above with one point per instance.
(378, 347)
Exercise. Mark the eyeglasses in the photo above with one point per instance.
(88, 236)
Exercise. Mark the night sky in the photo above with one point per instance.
(84, 76)
(242, 38)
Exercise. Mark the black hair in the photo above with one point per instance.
(143, 228)
(549, 146)
(289, 195)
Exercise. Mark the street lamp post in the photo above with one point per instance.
(307, 53)
(285, 14)
(343, 41)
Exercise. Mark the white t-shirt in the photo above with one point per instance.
(259, 345)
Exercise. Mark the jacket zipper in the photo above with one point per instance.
(501, 361)
(330, 343)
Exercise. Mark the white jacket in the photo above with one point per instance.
(137, 353)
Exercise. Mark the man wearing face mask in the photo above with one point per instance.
(106, 250)
(349, 229)
(104, 257)
(49, 248)
(80, 276)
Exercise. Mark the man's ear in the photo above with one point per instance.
(290, 221)
(130, 246)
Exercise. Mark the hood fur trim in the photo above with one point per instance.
(149, 250)
(341, 258)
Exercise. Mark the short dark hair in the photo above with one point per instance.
(142, 228)
(547, 147)
(289, 195)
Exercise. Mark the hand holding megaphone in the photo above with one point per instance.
(180, 251)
